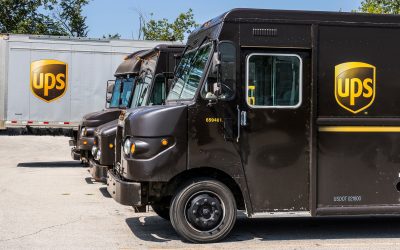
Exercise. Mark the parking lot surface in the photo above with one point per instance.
(48, 201)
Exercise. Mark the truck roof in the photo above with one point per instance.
(312, 17)
(131, 64)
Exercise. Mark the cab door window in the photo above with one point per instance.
(158, 94)
(274, 81)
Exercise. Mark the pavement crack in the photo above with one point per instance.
(42, 229)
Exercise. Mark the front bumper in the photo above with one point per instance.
(98, 172)
(125, 193)
(75, 154)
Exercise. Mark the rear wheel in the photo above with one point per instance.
(203, 211)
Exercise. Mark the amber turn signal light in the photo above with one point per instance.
(133, 148)
(84, 142)
(164, 142)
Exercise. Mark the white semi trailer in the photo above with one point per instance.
(51, 82)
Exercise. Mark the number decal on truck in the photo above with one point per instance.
(214, 120)
(355, 86)
(49, 79)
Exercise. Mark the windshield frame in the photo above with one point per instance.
(205, 69)
(144, 72)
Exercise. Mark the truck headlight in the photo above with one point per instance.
(98, 155)
(84, 132)
(127, 146)
(95, 149)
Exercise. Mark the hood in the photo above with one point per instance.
(96, 119)
(156, 121)
(107, 129)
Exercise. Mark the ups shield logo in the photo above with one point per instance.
(49, 79)
(355, 86)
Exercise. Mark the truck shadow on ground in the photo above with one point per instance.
(54, 164)
(155, 229)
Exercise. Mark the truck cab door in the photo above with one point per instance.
(274, 131)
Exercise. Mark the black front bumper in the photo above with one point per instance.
(75, 154)
(98, 172)
(125, 193)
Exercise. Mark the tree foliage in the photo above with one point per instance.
(169, 31)
(71, 17)
(380, 6)
(112, 36)
(44, 17)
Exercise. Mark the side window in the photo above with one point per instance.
(228, 73)
(158, 94)
(274, 81)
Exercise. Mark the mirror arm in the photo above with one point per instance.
(212, 102)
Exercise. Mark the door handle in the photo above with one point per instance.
(243, 118)
(241, 122)
(238, 123)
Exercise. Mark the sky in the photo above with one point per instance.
(121, 16)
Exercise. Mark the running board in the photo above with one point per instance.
(280, 214)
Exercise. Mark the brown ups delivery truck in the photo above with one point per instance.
(151, 88)
(118, 98)
(277, 113)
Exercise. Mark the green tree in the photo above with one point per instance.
(44, 17)
(112, 36)
(24, 17)
(70, 17)
(164, 30)
(380, 6)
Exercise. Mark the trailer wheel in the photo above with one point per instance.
(203, 211)
(161, 209)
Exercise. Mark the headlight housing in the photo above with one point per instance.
(94, 150)
(127, 146)
(84, 132)
(98, 155)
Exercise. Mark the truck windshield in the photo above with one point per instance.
(122, 92)
(142, 88)
(127, 88)
(189, 73)
(116, 94)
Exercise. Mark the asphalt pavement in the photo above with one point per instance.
(48, 201)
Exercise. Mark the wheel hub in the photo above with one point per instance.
(204, 212)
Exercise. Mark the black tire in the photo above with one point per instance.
(203, 198)
(162, 210)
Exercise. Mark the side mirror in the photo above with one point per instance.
(217, 89)
(110, 90)
(216, 62)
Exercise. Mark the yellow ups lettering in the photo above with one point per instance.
(355, 86)
(60, 81)
(356, 90)
(345, 86)
(50, 83)
(368, 86)
(36, 84)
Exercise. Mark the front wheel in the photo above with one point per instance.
(203, 211)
